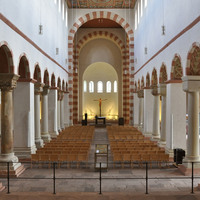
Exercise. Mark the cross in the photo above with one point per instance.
(100, 100)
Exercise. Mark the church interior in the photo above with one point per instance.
(105, 88)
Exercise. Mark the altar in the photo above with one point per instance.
(97, 119)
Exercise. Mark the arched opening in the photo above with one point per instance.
(100, 74)
(24, 71)
(53, 81)
(6, 60)
(37, 74)
(46, 78)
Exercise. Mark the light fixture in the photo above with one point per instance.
(163, 29)
(40, 29)
(145, 50)
(57, 51)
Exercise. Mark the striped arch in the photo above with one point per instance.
(176, 69)
(127, 84)
(37, 73)
(163, 74)
(193, 60)
(46, 78)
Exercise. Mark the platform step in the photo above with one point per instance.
(12, 173)
(1, 187)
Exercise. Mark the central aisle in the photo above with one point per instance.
(100, 137)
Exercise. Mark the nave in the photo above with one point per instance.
(122, 179)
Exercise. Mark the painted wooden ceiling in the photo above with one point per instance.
(101, 4)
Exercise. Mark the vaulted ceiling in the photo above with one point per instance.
(101, 3)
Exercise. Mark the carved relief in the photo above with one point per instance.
(177, 71)
(8, 81)
(195, 61)
(163, 74)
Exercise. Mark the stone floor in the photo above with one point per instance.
(119, 184)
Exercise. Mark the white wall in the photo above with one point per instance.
(26, 16)
(178, 14)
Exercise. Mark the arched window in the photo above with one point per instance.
(84, 86)
(91, 86)
(115, 86)
(100, 87)
(108, 87)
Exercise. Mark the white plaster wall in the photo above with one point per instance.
(148, 111)
(25, 15)
(24, 133)
(136, 110)
(176, 106)
(177, 16)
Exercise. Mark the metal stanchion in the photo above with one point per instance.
(8, 177)
(146, 178)
(100, 179)
(54, 178)
(192, 178)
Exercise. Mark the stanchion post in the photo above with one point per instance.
(192, 178)
(146, 178)
(8, 177)
(100, 179)
(54, 178)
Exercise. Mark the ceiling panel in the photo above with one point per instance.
(101, 3)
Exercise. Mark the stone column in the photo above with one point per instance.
(156, 110)
(24, 123)
(7, 84)
(45, 132)
(52, 112)
(191, 85)
(62, 111)
(38, 91)
(135, 109)
(148, 112)
(66, 109)
(58, 110)
(175, 117)
(141, 108)
(162, 91)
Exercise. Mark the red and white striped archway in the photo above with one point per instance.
(128, 83)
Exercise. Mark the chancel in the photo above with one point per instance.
(67, 66)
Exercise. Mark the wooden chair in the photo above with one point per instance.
(34, 159)
(126, 160)
(82, 158)
(44, 159)
(71, 159)
(135, 159)
(117, 158)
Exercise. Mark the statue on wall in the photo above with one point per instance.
(100, 102)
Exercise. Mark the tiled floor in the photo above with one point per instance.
(117, 184)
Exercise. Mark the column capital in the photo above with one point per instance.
(191, 83)
(38, 87)
(154, 90)
(45, 90)
(140, 94)
(162, 89)
(8, 81)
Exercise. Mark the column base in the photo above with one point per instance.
(170, 152)
(155, 138)
(162, 143)
(15, 168)
(147, 134)
(54, 134)
(24, 152)
(39, 143)
(46, 137)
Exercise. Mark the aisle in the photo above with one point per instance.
(100, 137)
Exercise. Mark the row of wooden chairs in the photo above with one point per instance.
(61, 159)
(140, 159)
